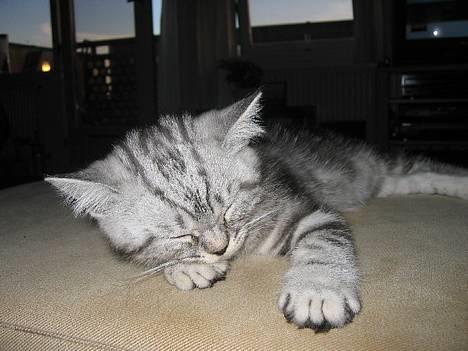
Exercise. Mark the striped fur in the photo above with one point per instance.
(188, 195)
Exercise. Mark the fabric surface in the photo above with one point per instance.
(62, 289)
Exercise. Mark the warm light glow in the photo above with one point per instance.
(45, 67)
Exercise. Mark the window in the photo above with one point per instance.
(26, 36)
(103, 20)
(105, 35)
(299, 20)
(268, 12)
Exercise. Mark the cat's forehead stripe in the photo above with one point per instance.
(167, 132)
(180, 220)
(218, 198)
(136, 165)
(171, 165)
(138, 169)
(207, 194)
(181, 124)
(161, 196)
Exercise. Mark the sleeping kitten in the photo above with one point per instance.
(188, 195)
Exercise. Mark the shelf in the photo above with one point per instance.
(427, 111)
(425, 68)
(427, 101)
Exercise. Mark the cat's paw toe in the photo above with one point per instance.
(319, 309)
(196, 275)
(181, 280)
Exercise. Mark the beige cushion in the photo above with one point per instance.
(61, 288)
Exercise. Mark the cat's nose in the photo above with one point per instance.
(214, 241)
(220, 252)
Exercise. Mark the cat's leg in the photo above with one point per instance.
(320, 289)
(425, 183)
(419, 175)
(195, 275)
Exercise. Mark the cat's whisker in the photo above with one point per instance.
(261, 217)
(158, 269)
(240, 235)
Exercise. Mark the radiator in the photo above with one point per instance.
(338, 93)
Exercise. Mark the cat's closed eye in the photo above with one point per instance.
(227, 217)
(186, 237)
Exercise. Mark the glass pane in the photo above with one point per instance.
(25, 36)
(436, 19)
(268, 12)
(26, 22)
(103, 19)
(300, 20)
(157, 17)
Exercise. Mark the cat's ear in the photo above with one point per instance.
(243, 122)
(236, 125)
(84, 192)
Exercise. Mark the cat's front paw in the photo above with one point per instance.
(318, 306)
(195, 275)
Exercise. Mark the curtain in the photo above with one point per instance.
(195, 36)
(373, 20)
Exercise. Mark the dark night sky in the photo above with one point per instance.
(28, 21)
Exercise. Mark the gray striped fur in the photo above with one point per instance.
(191, 194)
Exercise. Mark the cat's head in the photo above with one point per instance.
(186, 187)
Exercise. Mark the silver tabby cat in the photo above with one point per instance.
(189, 195)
